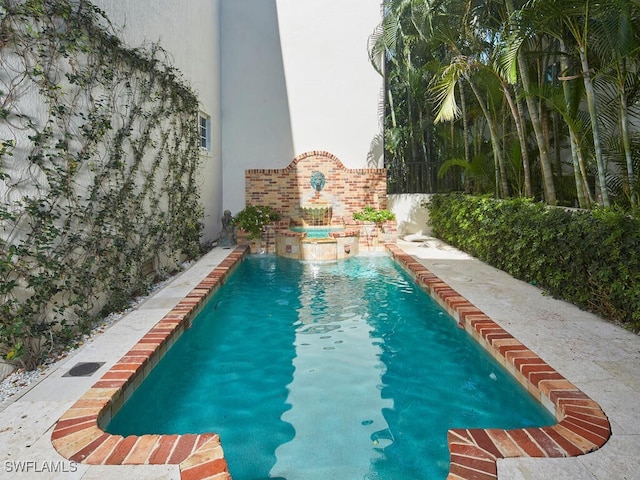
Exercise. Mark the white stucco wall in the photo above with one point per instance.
(333, 89)
(189, 32)
(256, 124)
(278, 78)
(295, 77)
(411, 216)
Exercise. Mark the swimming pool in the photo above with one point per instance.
(79, 436)
(298, 387)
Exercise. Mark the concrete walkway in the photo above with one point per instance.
(601, 359)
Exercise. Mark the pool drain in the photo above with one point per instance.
(83, 369)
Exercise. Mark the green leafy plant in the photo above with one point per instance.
(254, 218)
(370, 214)
(589, 258)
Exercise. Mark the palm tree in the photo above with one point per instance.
(393, 47)
(492, 59)
(520, 33)
(616, 41)
(444, 88)
(574, 17)
(569, 110)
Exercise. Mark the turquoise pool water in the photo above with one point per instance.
(317, 232)
(311, 371)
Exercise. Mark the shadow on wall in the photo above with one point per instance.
(375, 156)
(255, 105)
(411, 216)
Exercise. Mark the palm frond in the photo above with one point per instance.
(506, 57)
(376, 49)
(451, 163)
(444, 90)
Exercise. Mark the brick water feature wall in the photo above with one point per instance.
(346, 191)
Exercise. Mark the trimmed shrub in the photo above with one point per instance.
(589, 258)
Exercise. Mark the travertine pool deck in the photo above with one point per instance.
(576, 362)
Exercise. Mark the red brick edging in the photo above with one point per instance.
(78, 435)
(582, 426)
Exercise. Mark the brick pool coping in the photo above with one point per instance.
(582, 426)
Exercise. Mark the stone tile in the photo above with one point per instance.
(137, 472)
(24, 423)
(543, 469)
(38, 460)
(612, 460)
(622, 372)
(60, 388)
(167, 301)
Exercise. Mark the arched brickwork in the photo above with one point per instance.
(346, 190)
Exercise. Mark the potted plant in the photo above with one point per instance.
(377, 217)
(253, 220)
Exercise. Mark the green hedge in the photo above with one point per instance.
(589, 258)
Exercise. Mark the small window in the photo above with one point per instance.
(205, 132)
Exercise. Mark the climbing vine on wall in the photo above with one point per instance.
(99, 154)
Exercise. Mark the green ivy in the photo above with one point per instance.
(99, 156)
(589, 258)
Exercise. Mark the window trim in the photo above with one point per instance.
(204, 131)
